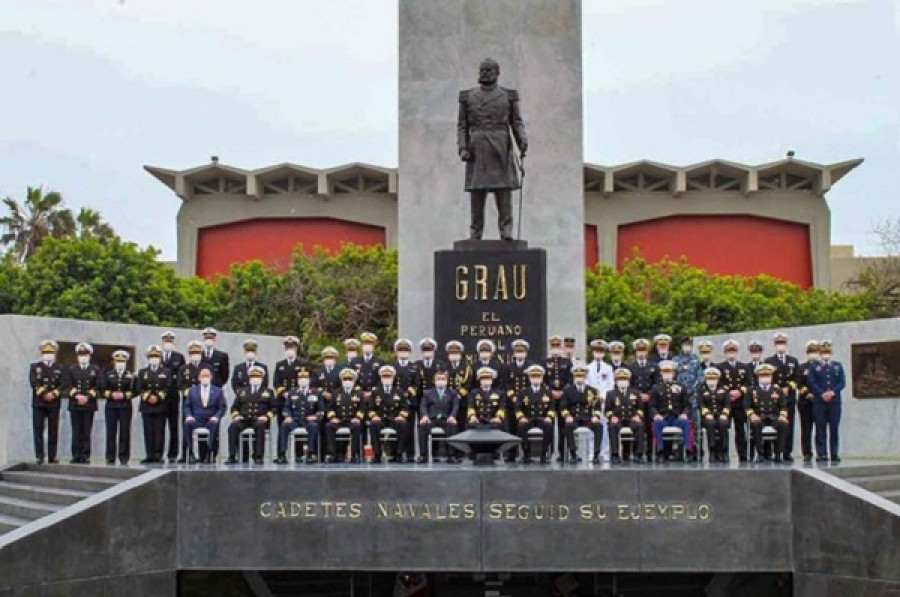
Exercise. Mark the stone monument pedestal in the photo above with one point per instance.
(491, 289)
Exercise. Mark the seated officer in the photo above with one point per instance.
(623, 406)
(346, 410)
(767, 405)
(485, 406)
(204, 407)
(578, 403)
(439, 408)
(302, 408)
(252, 408)
(535, 408)
(715, 410)
(389, 409)
(669, 408)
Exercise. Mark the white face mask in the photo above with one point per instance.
(428, 355)
(485, 355)
(440, 384)
(668, 376)
(254, 385)
(84, 359)
(536, 381)
(195, 359)
(209, 342)
(403, 355)
(347, 385)
(120, 367)
(303, 383)
(686, 349)
(486, 384)
(826, 356)
(781, 348)
(598, 355)
(204, 381)
(813, 356)
(290, 353)
(250, 355)
(329, 363)
(455, 359)
(368, 349)
(168, 346)
(521, 355)
(622, 385)
(711, 384)
(153, 361)
(48, 358)
(765, 381)
(351, 354)
(387, 381)
(616, 356)
(731, 356)
(555, 352)
(641, 355)
(579, 381)
(663, 349)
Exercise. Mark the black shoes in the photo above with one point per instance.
(181, 460)
(280, 460)
(421, 460)
(615, 459)
(231, 460)
(110, 461)
(52, 461)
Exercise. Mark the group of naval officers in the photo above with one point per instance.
(648, 393)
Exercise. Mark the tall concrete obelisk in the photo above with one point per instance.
(538, 45)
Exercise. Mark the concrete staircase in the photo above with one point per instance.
(30, 491)
(883, 479)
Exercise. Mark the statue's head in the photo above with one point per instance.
(488, 72)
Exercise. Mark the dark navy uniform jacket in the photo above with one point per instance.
(826, 376)
(46, 378)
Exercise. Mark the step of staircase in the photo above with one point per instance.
(850, 472)
(893, 495)
(31, 491)
(877, 483)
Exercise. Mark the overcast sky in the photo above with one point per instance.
(94, 89)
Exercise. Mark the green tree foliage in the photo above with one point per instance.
(676, 298)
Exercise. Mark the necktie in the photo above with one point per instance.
(427, 364)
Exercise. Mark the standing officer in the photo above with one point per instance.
(328, 380)
(252, 408)
(579, 401)
(215, 358)
(204, 407)
(535, 408)
(766, 406)
(351, 351)
(240, 378)
(622, 406)
(559, 375)
(85, 383)
(367, 365)
(805, 399)
(407, 379)
(153, 384)
(347, 409)
(600, 377)
(459, 372)
(515, 378)
(173, 361)
(439, 408)
(47, 378)
(705, 348)
(428, 365)
(302, 409)
(689, 376)
(737, 380)
(670, 408)
(186, 378)
(569, 348)
(715, 409)
(787, 370)
(284, 378)
(118, 389)
(826, 381)
(755, 348)
(617, 355)
(389, 409)
(661, 344)
(644, 375)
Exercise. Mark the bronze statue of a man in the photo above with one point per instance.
(487, 114)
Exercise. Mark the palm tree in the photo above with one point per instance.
(91, 225)
(40, 215)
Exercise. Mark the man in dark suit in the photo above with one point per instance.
(84, 383)
(215, 358)
(46, 378)
(487, 114)
(787, 377)
(439, 408)
(240, 377)
(204, 407)
(173, 361)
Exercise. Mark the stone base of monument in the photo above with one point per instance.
(484, 443)
(491, 289)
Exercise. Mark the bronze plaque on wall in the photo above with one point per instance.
(876, 370)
